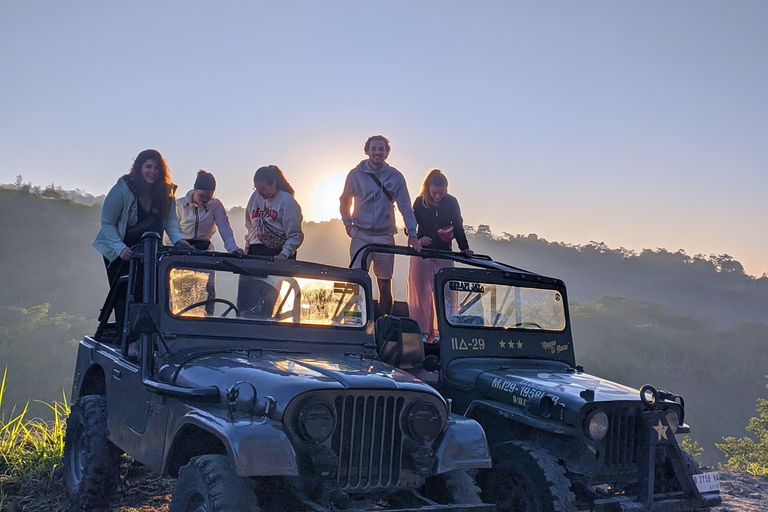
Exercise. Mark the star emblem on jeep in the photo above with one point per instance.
(502, 344)
(661, 430)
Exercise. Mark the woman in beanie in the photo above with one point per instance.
(200, 214)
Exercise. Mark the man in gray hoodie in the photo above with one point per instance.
(375, 187)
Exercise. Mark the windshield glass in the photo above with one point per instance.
(230, 295)
(496, 305)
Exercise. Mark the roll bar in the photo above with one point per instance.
(477, 260)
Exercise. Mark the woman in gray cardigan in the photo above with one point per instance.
(140, 201)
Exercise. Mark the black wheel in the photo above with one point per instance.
(91, 462)
(231, 307)
(526, 479)
(452, 488)
(209, 483)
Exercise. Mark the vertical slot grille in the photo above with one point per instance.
(620, 452)
(368, 441)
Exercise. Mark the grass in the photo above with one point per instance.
(30, 450)
(31, 477)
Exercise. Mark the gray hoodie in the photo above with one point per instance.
(374, 213)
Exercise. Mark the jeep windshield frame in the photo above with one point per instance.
(485, 313)
(506, 341)
(193, 330)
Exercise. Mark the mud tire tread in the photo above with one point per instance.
(550, 488)
(214, 480)
(101, 471)
(453, 488)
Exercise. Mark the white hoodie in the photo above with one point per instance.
(200, 222)
(282, 213)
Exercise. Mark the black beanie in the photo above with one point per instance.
(205, 181)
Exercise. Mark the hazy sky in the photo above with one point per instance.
(638, 123)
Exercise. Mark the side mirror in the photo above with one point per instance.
(431, 363)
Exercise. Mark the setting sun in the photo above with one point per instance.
(325, 198)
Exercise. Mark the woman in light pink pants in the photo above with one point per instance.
(439, 222)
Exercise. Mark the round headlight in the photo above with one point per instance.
(597, 425)
(317, 421)
(423, 422)
(673, 420)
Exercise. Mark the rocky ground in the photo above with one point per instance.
(743, 492)
(141, 491)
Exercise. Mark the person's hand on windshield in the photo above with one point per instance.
(184, 244)
(425, 241)
(239, 251)
(468, 252)
(414, 242)
(281, 256)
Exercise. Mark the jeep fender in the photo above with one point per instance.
(257, 447)
(462, 445)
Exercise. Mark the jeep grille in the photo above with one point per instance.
(369, 441)
(621, 443)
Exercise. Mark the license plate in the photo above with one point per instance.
(707, 482)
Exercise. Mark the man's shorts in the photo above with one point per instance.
(383, 264)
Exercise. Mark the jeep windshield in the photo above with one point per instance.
(246, 294)
(477, 304)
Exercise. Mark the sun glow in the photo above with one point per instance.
(325, 198)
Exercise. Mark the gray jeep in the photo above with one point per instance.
(560, 439)
(258, 385)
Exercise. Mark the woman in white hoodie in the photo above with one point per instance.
(200, 214)
(273, 217)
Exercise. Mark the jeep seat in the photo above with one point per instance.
(399, 342)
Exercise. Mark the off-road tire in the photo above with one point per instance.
(452, 488)
(91, 462)
(665, 479)
(209, 483)
(526, 479)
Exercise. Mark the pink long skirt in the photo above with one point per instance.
(421, 292)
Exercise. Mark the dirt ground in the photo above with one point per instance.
(743, 492)
(142, 491)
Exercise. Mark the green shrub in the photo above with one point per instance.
(692, 447)
(745, 453)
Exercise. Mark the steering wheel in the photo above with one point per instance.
(231, 307)
(529, 324)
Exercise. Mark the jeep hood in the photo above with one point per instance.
(284, 377)
(518, 383)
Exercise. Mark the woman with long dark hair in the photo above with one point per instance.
(439, 222)
(140, 201)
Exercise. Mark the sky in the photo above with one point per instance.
(640, 124)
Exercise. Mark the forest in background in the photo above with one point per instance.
(694, 325)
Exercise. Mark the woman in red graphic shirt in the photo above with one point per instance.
(273, 217)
